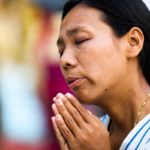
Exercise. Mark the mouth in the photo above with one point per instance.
(74, 82)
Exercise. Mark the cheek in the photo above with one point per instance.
(104, 68)
(95, 62)
(102, 78)
(110, 74)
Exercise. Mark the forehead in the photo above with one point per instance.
(81, 16)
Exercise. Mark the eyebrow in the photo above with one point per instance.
(71, 33)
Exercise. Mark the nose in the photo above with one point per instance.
(68, 60)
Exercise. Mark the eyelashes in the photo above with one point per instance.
(76, 42)
(80, 41)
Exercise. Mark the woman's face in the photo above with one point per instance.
(91, 56)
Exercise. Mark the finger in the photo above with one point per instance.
(70, 122)
(73, 111)
(54, 108)
(54, 99)
(84, 113)
(62, 142)
(64, 130)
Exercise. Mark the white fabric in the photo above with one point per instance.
(138, 138)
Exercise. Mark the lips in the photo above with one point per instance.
(73, 81)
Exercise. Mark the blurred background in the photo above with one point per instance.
(29, 73)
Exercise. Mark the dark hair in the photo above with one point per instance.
(122, 15)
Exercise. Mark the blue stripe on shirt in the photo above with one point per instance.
(142, 138)
(137, 134)
(104, 117)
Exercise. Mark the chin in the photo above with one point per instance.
(85, 97)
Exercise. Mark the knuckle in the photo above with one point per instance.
(83, 111)
(65, 131)
(91, 131)
(62, 109)
(74, 113)
(83, 139)
(95, 124)
(69, 121)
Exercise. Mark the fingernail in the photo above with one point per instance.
(59, 101)
(60, 95)
(53, 118)
(68, 95)
(54, 99)
(53, 107)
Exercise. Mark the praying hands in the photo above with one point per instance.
(76, 128)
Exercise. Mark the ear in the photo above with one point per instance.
(135, 41)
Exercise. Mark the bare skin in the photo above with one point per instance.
(80, 125)
(101, 69)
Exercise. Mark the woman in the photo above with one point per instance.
(104, 51)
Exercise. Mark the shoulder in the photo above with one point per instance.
(139, 137)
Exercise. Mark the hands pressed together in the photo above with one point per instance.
(75, 127)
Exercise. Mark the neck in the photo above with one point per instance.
(123, 108)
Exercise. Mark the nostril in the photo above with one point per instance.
(66, 66)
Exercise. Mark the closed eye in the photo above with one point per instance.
(80, 41)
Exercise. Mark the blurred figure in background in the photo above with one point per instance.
(29, 73)
(23, 118)
(27, 69)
